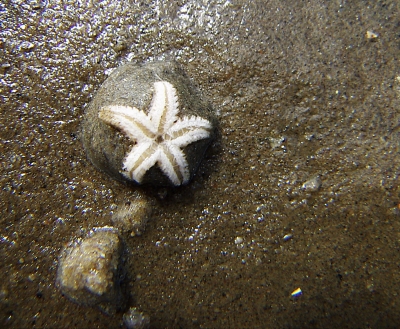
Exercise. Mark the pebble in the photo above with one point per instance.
(89, 269)
(238, 240)
(287, 237)
(297, 292)
(371, 35)
(134, 319)
(27, 46)
(132, 216)
(312, 184)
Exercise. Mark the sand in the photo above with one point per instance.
(301, 90)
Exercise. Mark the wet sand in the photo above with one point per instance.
(300, 92)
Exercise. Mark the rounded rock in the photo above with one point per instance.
(132, 216)
(89, 269)
(148, 124)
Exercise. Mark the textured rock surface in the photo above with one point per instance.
(132, 216)
(89, 269)
(132, 85)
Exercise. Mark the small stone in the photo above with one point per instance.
(313, 184)
(27, 46)
(287, 237)
(238, 240)
(276, 142)
(4, 67)
(134, 86)
(131, 217)
(371, 35)
(32, 277)
(297, 292)
(89, 269)
(121, 45)
(37, 4)
(134, 319)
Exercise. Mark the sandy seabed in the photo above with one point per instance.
(301, 90)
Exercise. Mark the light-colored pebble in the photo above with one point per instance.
(134, 319)
(88, 270)
(312, 184)
(132, 216)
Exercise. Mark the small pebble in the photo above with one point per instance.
(313, 184)
(371, 35)
(287, 237)
(134, 319)
(27, 46)
(89, 269)
(297, 292)
(276, 142)
(132, 216)
(238, 240)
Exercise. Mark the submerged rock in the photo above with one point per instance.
(89, 269)
(132, 216)
(149, 125)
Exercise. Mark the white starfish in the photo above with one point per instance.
(159, 135)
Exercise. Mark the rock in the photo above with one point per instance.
(132, 216)
(133, 85)
(134, 319)
(89, 269)
(313, 184)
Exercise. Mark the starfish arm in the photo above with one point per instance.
(139, 160)
(180, 162)
(168, 166)
(186, 124)
(190, 136)
(164, 106)
(134, 123)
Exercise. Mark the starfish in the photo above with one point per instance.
(159, 136)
